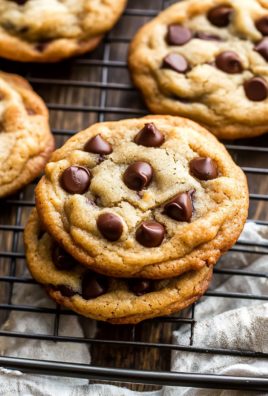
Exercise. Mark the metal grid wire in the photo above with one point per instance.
(19, 202)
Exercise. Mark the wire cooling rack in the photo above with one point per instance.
(79, 92)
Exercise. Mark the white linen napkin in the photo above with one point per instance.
(222, 323)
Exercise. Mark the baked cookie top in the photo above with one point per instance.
(207, 60)
(99, 297)
(47, 31)
(151, 197)
(25, 138)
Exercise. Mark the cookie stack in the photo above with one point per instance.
(131, 216)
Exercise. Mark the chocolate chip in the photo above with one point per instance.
(150, 234)
(30, 112)
(179, 208)
(98, 145)
(176, 62)
(229, 62)
(204, 168)
(213, 64)
(94, 285)
(138, 176)
(101, 159)
(19, 2)
(178, 35)
(41, 47)
(262, 48)
(90, 202)
(110, 226)
(24, 29)
(75, 179)
(191, 193)
(66, 291)
(262, 25)
(62, 260)
(140, 286)
(208, 37)
(41, 234)
(256, 89)
(149, 136)
(220, 16)
(182, 100)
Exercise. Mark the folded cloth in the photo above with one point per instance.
(222, 323)
(228, 324)
(40, 323)
(14, 383)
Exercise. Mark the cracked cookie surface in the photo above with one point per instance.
(174, 223)
(25, 138)
(117, 303)
(51, 30)
(207, 61)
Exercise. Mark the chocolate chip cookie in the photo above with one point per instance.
(25, 139)
(117, 301)
(151, 197)
(42, 31)
(207, 60)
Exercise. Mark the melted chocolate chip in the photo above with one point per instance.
(180, 208)
(66, 291)
(110, 226)
(149, 136)
(256, 89)
(204, 168)
(176, 62)
(262, 48)
(94, 285)
(208, 37)
(229, 62)
(178, 35)
(75, 179)
(220, 16)
(140, 286)
(62, 260)
(150, 234)
(30, 112)
(98, 145)
(262, 25)
(41, 47)
(138, 176)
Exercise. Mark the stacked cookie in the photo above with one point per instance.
(131, 216)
